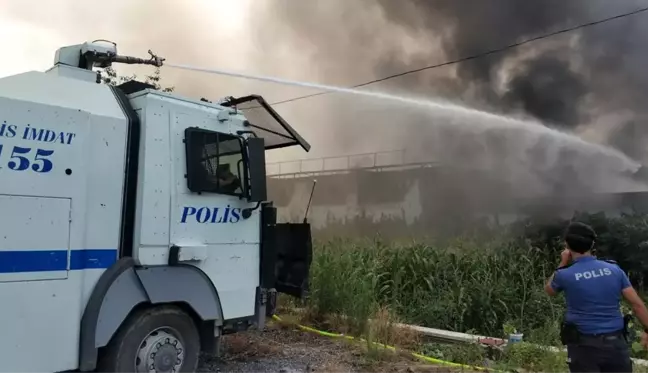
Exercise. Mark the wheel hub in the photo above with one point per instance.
(160, 351)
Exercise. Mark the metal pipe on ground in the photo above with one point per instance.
(455, 337)
(447, 336)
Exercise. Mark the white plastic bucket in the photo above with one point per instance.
(515, 337)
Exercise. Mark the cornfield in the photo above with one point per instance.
(467, 284)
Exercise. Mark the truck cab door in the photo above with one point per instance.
(286, 248)
(294, 254)
(286, 254)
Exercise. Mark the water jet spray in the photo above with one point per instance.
(473, 116)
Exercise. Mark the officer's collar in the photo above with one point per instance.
(585, 258)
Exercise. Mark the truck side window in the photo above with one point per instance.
(213, 162)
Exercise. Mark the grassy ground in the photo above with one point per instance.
(474, 286)
(281, 347)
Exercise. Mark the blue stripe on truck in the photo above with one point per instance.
(55, 260)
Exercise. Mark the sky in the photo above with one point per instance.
(204, 33)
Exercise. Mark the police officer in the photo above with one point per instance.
(594, 326)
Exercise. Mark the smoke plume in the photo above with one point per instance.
(590, 81)
(563, 81)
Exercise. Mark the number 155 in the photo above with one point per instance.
(21, 159)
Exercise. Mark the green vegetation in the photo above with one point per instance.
(110, 76)
(521, 355)
(467, 284)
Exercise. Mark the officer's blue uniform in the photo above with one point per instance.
(593, 293)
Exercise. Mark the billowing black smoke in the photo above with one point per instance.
(548, 89)
(561, 79)
(565, 81)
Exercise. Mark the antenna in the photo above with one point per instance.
(310, 199)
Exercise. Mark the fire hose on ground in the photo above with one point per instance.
(453, 337)
(392, 348)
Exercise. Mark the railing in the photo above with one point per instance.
(341, 163)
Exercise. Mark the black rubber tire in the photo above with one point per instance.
(120, 354)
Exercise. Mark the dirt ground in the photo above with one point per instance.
(285, 349)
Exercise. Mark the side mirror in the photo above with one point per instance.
(256, 161)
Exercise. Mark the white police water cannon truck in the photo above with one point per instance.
(134, 224)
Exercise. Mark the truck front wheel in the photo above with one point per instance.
(158, 339)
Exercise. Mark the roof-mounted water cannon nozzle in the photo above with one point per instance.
(158, 61)
(99, 53)
(155, 60)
